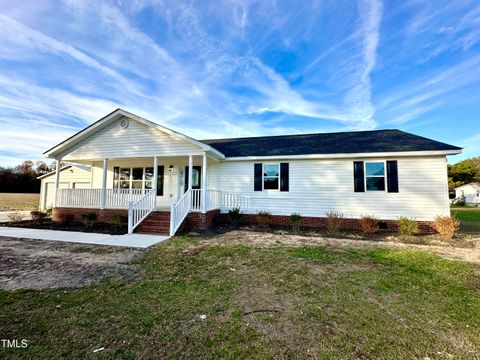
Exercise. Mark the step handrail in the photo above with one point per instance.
(179, 211)
(139, 209)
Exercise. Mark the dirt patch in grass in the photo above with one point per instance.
(39, 264)
(18, 201)
(469, 252)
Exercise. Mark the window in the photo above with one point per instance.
(124, 178)
(149, 178)
(137, 178)
(375, 176)
(271, 176)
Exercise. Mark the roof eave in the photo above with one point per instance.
(349, 155)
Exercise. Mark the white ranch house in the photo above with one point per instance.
(123, 161)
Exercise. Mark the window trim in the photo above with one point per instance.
(263, 176)
(365, 176)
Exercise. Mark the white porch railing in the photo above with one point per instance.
(138, 210)
(92, 198)
(215, 199)
(179, 211)
(222, 200)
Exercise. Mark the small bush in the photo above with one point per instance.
(119, 219)
(48, 212)
(334, 221)
(295, 219)
(89, 219)
(38, 216)
(407, 226)
(15, 216)
(234, 216)
(263, 219)
(65, 218)
(369, 224)
(446, 226)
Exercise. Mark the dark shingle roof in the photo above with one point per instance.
(327, 143)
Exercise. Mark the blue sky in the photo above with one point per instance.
(239, 68)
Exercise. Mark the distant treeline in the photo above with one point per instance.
(22, 178)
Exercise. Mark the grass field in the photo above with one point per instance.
(18, 201)
(259, 303)
(469, 217)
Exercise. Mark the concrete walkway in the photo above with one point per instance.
(4, 215)
(130, 240)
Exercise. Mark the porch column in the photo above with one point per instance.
(204, 183)
(155, 177)
(104, 184)
(57, 181)
(190, 171)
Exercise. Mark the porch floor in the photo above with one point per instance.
(128, 240)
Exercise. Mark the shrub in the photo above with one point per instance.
(234, 216)
(89, 219)
(48, 212)
(295, 219)
(407, 226)
(15, 216)
(263, 219)
(334, 221)
(65, 218)
(38, 216)
(446, 226)
(369, 224)
(119, 219)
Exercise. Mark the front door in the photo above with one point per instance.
(196, 185)
(196, 178)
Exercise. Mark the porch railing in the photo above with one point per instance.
(92, 198)
(139, 209)
(214, 199)
(217, 199)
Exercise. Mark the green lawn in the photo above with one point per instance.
(18, 201)
(469, 217)
(260, 303)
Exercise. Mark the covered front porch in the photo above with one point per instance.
(174, 184)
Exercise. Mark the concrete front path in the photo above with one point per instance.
(130, 240)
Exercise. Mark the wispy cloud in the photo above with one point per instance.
(359, 98)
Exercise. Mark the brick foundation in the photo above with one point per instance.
(199, 221)
(424, 227)
(103, 215)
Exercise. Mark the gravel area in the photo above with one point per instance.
(42, 264)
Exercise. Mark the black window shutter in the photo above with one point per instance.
(284, 177)
(392, 176)
(257, 184)
(358, 178)
(161, 171)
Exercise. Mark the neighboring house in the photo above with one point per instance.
(164, 177)
(471, 192)
(71, 177)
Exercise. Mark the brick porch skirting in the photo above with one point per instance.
(103, 215)
(424, 227)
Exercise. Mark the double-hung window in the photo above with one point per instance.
(271, 176)
(375, 176)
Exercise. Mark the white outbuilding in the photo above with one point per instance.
(471, 192)
(71, 177)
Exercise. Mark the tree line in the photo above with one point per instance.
(464, 172)
(23, 178)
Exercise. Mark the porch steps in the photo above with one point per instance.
(157, 222)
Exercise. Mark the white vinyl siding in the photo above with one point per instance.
(317, 186)
(137, 140)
